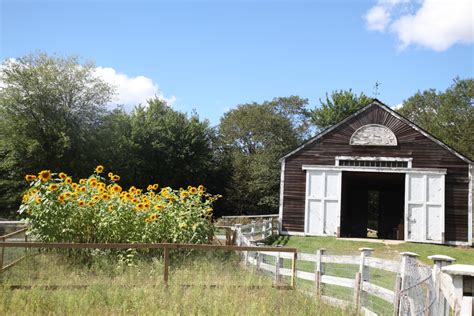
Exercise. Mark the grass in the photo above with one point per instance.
(463, 255)
(51, 283)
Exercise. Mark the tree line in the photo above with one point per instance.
(54, 115)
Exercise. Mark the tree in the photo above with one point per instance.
(448, 115)
(254, 136)
(49, 109)
(337, 107)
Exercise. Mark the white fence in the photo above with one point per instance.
(371, 285)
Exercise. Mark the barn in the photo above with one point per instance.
(376, 174)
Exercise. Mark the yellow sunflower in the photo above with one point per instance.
(44, 175)
(53, 187)
(62, 175)
(99, 169)
(30, 177)
(81, 203)
(193, 190)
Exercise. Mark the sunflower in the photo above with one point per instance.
(153, 217)
(62, 175)
(30, 177)
(158, 207)
(116, 188)
(115, 178)
(147, 220)
(90, 203)
(61, 198)
(38, 200)
(81, 189)
(68, 180)
(75, 186)
(81, 203)
(53, 187)
(155, 186)
(82, 181)
(105, 196)
(140, 206)
(110, 208)
(209, 210)
(201, 188)
(184, 194)
(44, 175)
(193, 190)
(110, 174)
(99, 169)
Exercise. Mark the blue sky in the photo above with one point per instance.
(212, 55)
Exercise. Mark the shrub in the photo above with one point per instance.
(97, 209)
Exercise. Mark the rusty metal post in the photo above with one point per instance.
(166, 265)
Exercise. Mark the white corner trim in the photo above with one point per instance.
(469, 205)
(282, 195)
(376, 169)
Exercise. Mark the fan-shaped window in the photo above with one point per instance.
(373, 135)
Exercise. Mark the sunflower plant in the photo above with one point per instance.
(98, 209)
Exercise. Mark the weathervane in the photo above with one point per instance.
(376, 89)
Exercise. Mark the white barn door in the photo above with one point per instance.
(323, 202)
(424, 207)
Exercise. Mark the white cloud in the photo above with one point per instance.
(131, 91)
(434, 24)
(377, 18)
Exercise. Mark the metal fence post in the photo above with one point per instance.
(166, 264)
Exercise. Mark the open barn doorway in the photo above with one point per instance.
(372, 205)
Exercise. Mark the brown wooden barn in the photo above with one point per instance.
(377, 172)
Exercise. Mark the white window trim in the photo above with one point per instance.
(376, 169)
(357, 158)
(469, 205)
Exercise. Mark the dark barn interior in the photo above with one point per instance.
(372, 205)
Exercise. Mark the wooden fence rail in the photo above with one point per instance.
(2, 254)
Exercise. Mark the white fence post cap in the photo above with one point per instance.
(441, 258)
(366, 249)
(409, 254)
(459, 269)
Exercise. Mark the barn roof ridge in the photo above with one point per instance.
(376, 102)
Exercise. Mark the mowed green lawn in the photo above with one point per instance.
(463, 255)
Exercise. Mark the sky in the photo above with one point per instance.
(210, 56)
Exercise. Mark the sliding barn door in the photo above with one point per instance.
(424, 207)
(323, 202)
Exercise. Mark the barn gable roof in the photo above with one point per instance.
(376, 102)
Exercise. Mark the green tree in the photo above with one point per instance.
(49, 109)
(339, 105)
(254, 137)
(448, 115)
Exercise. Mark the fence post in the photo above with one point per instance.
(364, 275)
(3, 255)
(271, 226)
(264, 228)
(166, 264)
(293, 270)
(318, 271)
(440, 261)
(252, 230)
(278, 265)
(407, 259)
(463, 281)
